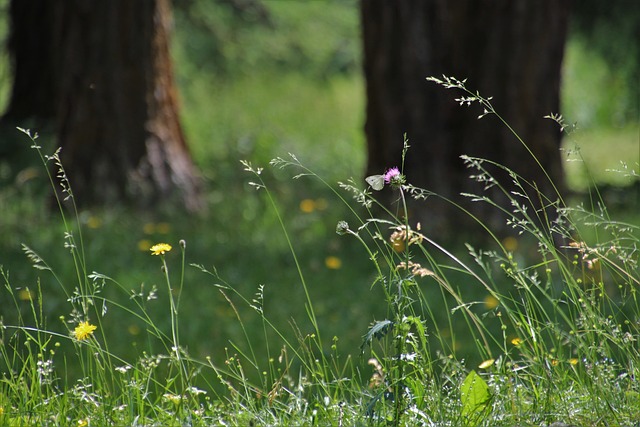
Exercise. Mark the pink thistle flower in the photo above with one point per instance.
(391, 174)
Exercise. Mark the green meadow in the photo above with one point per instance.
(263, 314)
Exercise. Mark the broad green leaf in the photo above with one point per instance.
(475, 397)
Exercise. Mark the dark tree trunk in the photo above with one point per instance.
(32, 100)
(113, 98)
(509, 49)
(32, 92)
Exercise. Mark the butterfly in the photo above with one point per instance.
(375, 181)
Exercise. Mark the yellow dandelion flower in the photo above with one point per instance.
(490, 302)
(160, 249)
(516, 341)
(573, 361)
(510, 243)
(94, 222)
(487, 363)
(307, 206)
(83, 423)
(25, 295)
(333, 263)
(144, 245)
(84, 330)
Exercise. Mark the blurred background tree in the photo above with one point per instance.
(511, 51)
(100, 76)
(227, 49)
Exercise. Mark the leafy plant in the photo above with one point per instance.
(475, 398)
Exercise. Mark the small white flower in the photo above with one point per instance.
(409, 357)
(196, 391)
(123, 369)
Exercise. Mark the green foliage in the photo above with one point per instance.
(611, 32)
(615, 106)
(475, 397)
(318, 39)
(377, 330)
(259, 116)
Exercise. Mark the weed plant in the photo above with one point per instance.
(550, 337)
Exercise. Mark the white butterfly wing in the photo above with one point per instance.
(375, 181)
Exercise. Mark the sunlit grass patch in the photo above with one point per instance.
(603, 156)
(258, 115)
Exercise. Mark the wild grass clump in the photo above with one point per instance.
(534, 330)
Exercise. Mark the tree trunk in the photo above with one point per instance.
(509, 50)
(32, 100)
(32, 92)
(114, 99)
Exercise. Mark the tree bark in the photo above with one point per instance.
(509, 50)
(32, 92)
(113, 99)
